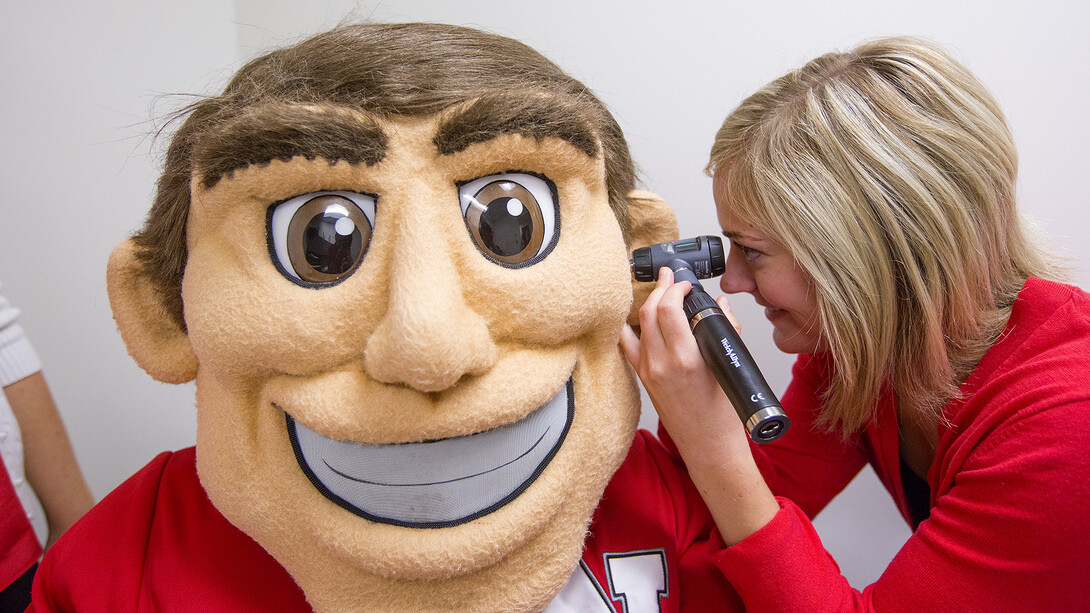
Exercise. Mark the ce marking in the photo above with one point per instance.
(757, 397)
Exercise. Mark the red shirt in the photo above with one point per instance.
(157, 544)
(18, 543)
(1009, 528)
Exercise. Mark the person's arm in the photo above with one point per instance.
(1007, 530)
(697, 415)
(810, 464)
(1009, 534)
(50, 463)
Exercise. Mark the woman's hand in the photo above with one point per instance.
(689, 401)
(695, 411)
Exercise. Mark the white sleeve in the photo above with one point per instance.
(18, 359)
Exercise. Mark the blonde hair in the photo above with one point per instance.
(889, 173)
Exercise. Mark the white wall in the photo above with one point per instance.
(78, 168)
(80, 83)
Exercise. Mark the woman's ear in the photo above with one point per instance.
(151, 334)
(652, 221)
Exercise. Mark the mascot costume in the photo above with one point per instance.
(394, 258)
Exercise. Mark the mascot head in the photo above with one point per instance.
(395, 260)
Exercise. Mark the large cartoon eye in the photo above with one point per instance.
(512, 217)
(320, 238)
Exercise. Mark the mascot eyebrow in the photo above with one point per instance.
(535, 116)
(284, 131)
(341, 133)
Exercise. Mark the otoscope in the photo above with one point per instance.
(697, 258)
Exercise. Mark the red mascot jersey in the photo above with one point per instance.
(157, 544)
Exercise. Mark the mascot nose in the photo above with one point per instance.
(429, 338)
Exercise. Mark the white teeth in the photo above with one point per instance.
(435, 483)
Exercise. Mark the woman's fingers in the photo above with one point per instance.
(671, 316)
(650, 335)
(630, 343)
(725, 305)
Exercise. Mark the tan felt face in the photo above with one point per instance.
(410, 367)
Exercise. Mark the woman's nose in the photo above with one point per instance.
(737, 277)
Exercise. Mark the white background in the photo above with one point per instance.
(84, 86)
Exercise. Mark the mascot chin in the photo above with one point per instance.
(394, 258)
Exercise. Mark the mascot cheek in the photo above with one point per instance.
(542, 528)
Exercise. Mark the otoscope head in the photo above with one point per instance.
(703, 255)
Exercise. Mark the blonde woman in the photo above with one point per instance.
(870, 201)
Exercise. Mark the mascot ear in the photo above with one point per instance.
(653, 221)
(151, 335)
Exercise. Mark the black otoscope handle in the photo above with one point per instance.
(733, 366)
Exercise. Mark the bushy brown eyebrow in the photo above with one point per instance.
(285, 131)
(535, 116)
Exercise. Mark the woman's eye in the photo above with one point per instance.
(512, 217)
(321, 238)
(748, 253)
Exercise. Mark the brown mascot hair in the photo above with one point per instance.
(387, 70)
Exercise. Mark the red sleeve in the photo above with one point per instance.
(808, 465)
(18, 542)
(1010, 535)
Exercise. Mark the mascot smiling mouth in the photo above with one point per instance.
(438, 483)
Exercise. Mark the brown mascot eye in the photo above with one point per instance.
(511, 217)
(321, 238)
